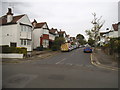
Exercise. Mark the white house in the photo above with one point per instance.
(114, 31)
(52, 34)
(104, 36)
(63, 34)
(16, 30)
(40, 34)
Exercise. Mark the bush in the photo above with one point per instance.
(55, 47)
(20, 50)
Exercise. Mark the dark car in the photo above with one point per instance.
(88, 49)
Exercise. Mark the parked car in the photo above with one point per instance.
(88, 49)
(66, 47)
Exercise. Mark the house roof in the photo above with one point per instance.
(39, 25)
(52, 31)
(61, 32)
(3, 19)
(67, 35)
(115, 27)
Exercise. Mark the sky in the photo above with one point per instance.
(72, 16)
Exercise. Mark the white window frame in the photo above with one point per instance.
(25, 42)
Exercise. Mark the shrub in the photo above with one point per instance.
(55, 47)
(20, 50)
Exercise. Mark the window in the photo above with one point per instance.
(22, 27)
(13, 44)
(22, 42)
(45, 43)
(29, 29)
(25, 42)
(46, 31)
(28, 42)
(25, 28)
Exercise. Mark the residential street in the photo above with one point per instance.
(63, 70)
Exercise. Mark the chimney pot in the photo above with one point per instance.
(9, 15)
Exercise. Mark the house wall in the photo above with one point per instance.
(25, 20)
(113, 34)
(13, 33)
(37, 33)
(45, 31)
(9, 34)
(26, 35)
(51, 37)
(12, 55)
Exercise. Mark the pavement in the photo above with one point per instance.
(36, 55)
(101, 59)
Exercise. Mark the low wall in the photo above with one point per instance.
(11, 55)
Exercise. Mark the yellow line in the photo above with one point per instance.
(100, 65)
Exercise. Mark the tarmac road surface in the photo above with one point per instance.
(64, 70)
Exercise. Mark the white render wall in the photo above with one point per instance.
(12, 33)
(37, 33)
(12, 55)
(113, 34)
(25, 20)
(24, 35)
(45, 31)
(9, 34)
(51, 37)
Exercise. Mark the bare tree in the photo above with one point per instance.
(94, 32)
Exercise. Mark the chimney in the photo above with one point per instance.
(34, 23)
(9, 15)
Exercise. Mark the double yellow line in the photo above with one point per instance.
(97, 63)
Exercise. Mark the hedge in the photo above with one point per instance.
(7, 49)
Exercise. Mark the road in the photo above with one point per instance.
(64, 70)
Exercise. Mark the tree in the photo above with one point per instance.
(94, 32)
(91, 42)
(80, 38)
(57, 43)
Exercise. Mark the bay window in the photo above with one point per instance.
(25, 42)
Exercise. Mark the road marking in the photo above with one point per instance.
(61, 60)
(100, 65)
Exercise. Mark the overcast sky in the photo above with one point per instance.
(72, 16)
